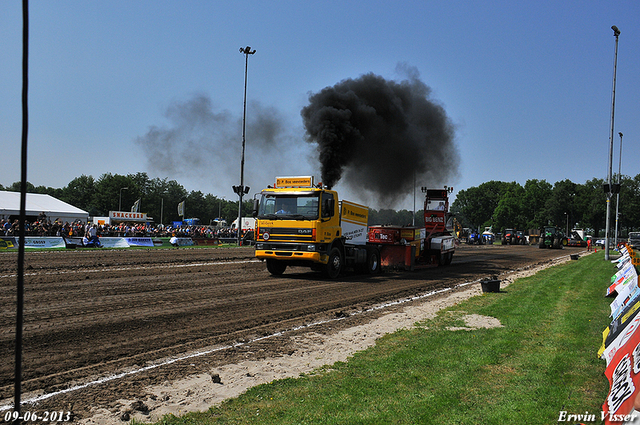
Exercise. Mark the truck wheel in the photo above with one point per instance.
(276, 267)
(449, 258)
(334, 265)
(373, 261)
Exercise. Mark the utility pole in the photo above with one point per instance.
(609, 187)
(242, 190)
(618, 188)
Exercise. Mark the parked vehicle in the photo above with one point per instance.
(475, 238)
(488, 237)
(534, 236)
(552, 237)
(508, 237)
(634, 240)
(576, 240)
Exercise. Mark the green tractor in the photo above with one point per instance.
(552, 237)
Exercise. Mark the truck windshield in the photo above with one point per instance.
(287, 207)
(435, 205)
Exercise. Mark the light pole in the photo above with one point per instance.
(241, 190)
(220, 207)
(120, 201)
(608, 186)
(413, 223)
(618, 194)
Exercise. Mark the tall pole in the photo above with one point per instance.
(616, 33)
(618, 194)
(414, 199)
(23, 215)
(241, 189)
(120, 201)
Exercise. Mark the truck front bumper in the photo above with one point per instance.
(313, 253)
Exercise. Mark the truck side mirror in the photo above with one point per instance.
(256, 207)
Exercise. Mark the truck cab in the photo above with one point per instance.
(301, 224)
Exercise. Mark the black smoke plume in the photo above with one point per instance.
(201, 143)
(379, 135)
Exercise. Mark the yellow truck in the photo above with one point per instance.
(303, 224)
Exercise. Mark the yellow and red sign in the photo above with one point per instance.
(302, 181)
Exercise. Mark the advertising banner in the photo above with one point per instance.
(623, 277)
(619, 341)
(113, 242)
(176, 241)
(626, 295)
(8, 242)
(618, 325)
(139, 241)
(624, 380)
(44, 242)
(621, 346)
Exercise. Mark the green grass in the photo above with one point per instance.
(543, 360)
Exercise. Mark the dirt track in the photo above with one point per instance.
(95, 313)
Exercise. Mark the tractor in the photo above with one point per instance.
(552, 237)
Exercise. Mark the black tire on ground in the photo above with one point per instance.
(449, 258)
(373, 261)
(334, 265)
(276, 267)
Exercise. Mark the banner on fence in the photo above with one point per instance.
(624, 276)
(44, 242)
(616, 327)
(624, 380)
(139, 241)
(8, 243)
(113, 242)
(176, 241)
(626, 296)
(621, 345)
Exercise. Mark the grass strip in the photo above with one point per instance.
(541, 361)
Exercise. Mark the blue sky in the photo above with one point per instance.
(526, 84)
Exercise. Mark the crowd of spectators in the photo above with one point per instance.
(44, 226)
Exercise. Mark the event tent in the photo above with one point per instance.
(36, 204)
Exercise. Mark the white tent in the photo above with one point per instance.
(36, 204)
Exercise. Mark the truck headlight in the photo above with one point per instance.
(311, 248)
(259, 246)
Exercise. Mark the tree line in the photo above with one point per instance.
(538, 203)
(159, 198)
(495, 203)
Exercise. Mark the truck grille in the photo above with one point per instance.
(283, 234)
